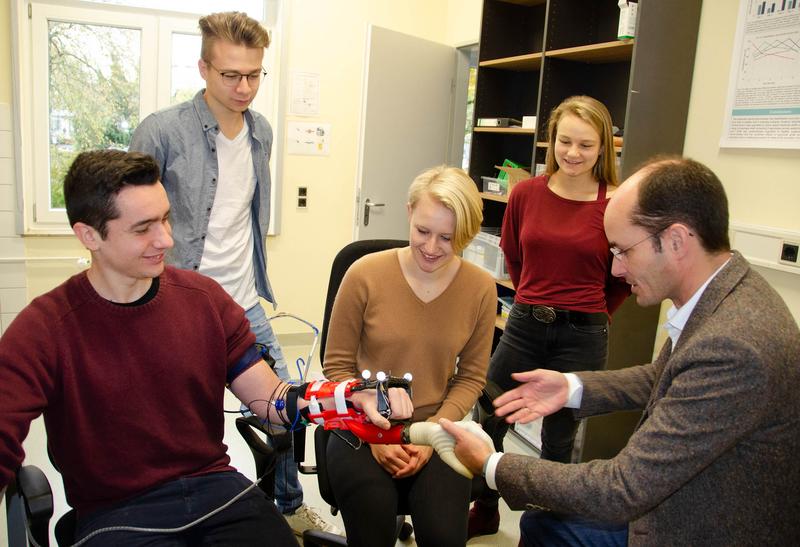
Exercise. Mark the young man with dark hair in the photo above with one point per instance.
(214, 154)
(713, 458)
(128, 363)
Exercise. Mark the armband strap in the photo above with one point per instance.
(250, 358)
(291, 403)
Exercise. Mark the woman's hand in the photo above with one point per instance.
(420, 456)
(399, 402)
(401, 461)
(392, 457)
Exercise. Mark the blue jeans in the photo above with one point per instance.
(245, 523)
(288, 492)
(546, 529)
(528, 344)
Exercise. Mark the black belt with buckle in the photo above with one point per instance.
(548, 314)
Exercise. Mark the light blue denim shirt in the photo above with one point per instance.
(182, 140)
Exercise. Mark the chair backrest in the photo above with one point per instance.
(343, 260)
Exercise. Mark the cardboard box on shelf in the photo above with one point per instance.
(513, 175)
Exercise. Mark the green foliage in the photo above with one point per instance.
(60, 161)
(93, 90)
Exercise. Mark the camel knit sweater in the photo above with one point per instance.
(379, 324)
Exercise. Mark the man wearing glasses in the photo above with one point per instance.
(713, 458)
(214, 157)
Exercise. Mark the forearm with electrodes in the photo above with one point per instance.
(327, 403)
(342, 415)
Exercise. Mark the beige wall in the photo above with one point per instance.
(762, 185)
(329, 38)
(5, 51)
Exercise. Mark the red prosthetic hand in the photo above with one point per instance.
(345, 417)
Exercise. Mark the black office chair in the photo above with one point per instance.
(343, 260)
(29, 506)
(29, 498)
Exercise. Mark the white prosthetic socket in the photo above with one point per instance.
(431, 434)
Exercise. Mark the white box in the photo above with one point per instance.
(627, 20)
(529, 122)
(484, 251)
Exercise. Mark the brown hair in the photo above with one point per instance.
(675, 189)
(232, 26)
(94, 179)
(595, 114)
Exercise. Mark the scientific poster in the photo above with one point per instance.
(763, 104)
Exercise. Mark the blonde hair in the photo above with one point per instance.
(595, 114)
(454, 189)
(231, 26)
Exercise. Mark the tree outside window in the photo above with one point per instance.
(93, 93)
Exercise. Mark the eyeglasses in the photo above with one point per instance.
(231, 78)
(620, 254)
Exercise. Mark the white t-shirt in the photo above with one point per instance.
(228, 249)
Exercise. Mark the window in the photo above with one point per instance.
(88, 72)
(463, 105)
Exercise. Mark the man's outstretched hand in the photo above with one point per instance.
(542, 392)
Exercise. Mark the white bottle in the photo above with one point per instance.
(627, 20)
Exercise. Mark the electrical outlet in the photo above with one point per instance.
(789, 251)
(302, 197)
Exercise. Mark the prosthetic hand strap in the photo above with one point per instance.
(313, 392)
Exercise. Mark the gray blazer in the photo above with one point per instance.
(715, 459)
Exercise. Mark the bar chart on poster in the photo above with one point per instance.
(764, 8)
(763, 103)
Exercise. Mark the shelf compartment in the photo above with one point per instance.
(511, 29)
(607, 52)
(526, 62)
(490, 149)
(573, 23)
(506, 93)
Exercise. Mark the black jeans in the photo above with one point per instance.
(251, 520)
(564, 345)
(437, 499)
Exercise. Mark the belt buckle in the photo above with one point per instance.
(544, 314)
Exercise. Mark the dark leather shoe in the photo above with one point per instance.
(483, 520)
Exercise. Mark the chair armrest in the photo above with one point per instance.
(34, 488)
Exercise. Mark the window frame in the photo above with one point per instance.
(30, 73)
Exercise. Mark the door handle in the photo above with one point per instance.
(369, 204)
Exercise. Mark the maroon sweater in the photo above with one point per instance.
(557, 252)
(132, 396)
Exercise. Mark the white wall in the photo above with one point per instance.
(763, 186)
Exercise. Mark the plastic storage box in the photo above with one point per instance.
(484, 251)
(493, 185)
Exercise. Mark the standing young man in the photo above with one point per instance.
(214, 156)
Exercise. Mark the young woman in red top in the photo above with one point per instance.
(558, 258)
